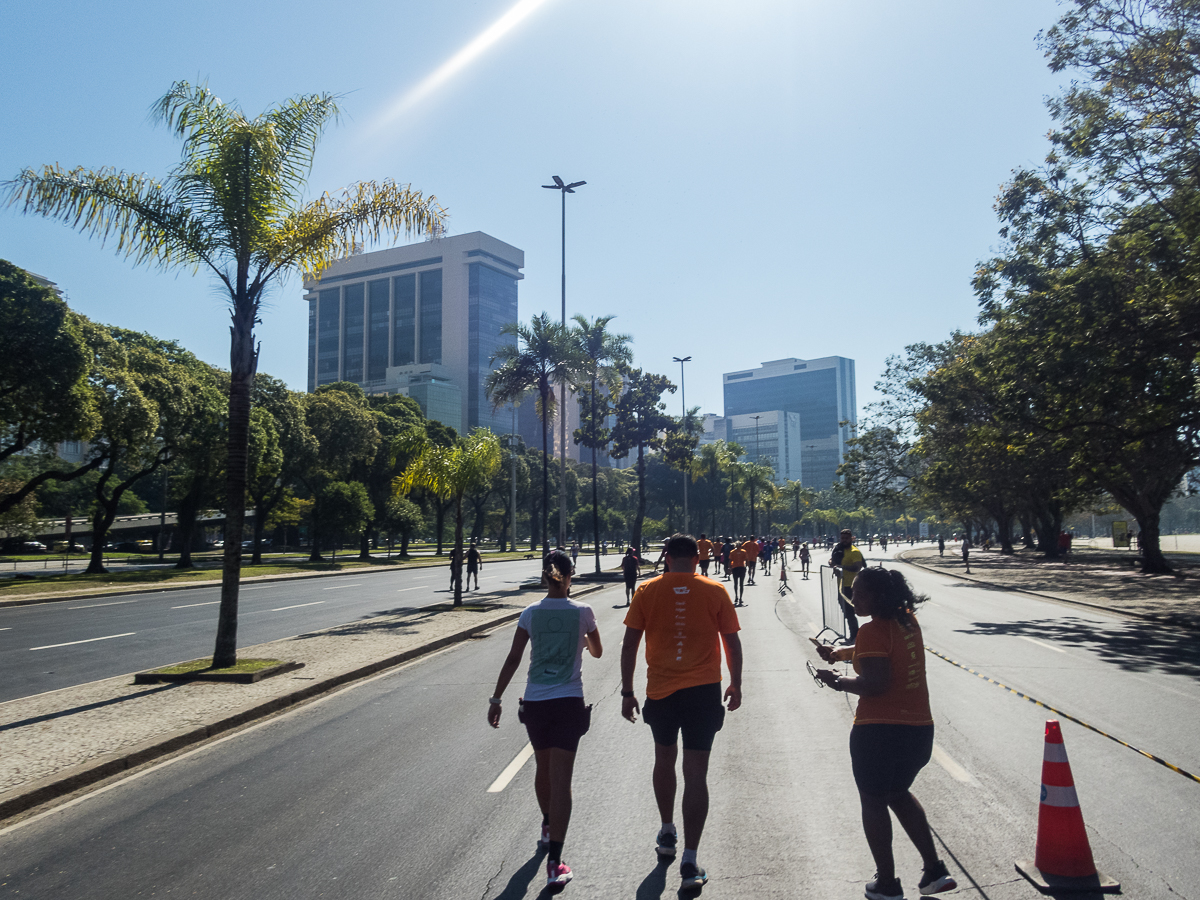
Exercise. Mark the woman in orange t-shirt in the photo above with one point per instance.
(892, 737)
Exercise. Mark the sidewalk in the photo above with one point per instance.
(55, 743)
(1098, 578)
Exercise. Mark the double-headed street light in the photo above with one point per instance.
(564, 188)
(683, 397)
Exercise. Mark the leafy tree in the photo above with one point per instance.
(281, 447)
(544, 354)
(641, 417)
(602, 354)
(394, 415)
(233, 206)
(451, 473)
(198, 462)
(341, 508)
(45, 394)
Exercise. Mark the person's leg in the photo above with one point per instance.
(561, 764)
(541, 780)
(877, 826)
(911, 816)
(695, 796)
(664, 779)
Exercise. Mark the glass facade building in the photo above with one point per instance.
(821, 391)
(422, 320)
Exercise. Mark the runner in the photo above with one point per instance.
(630, 568)
(474, 561)
(685, 618)
(751, 547)
(726, 548)
(795, 547)
(706, 549)
(805, 559)
(765, 552)
(783, 581)
(737, 565)
(892, 737)
(552, 708)
(966, 553)
(847, 560)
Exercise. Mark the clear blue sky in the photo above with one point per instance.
(766, 178)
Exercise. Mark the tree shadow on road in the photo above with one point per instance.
(400, 621)
(1132, 645)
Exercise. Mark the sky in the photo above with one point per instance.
(765, 178)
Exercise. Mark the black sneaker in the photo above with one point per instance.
(693, 876)
(937, 879)
(884, 890)
(666, 844)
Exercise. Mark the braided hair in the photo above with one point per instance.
(556, 566)
(893, 597)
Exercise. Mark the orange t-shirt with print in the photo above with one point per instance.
(683, 617)
(737, 558)
(906, 701)
(705, 547)
(751, 548)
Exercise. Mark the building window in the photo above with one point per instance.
(431, 316)
(377, 335)
(491, 304)
(404, 349)
(352, 362)
(328, 334)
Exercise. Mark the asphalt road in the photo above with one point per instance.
(48, 646)
(383, 790)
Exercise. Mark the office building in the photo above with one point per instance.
(771, 437)
(421, 320)
(820, 391)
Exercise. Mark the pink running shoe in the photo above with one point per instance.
(557, 876)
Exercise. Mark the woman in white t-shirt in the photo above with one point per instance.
(552, 709)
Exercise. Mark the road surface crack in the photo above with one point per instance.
(487, 888)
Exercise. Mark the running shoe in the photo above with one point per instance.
(937, 879)
(544, 841)
(884, 890)
(693, 876)
(557, 875)
(666, 844)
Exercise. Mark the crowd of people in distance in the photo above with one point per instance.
(688, 621)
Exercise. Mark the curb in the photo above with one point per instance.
(216, 582)
(1147, 617)
(109, 765)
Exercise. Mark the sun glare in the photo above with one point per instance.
(519, 11)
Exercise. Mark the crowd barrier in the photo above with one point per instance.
(833, 620)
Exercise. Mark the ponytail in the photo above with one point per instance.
(893, 596)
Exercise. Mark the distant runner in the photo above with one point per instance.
(474, 561)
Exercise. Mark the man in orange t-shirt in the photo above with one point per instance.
(750, 545)
(705, 546)
(685, 618)
(737, 565)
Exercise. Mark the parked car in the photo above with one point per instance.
(33, 547)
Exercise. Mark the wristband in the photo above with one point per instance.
(627, 693)
(494, 700)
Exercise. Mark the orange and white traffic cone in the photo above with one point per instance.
(1063, 859)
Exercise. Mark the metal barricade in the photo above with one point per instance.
(833, 619)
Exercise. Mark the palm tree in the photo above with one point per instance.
(754, 479)
(232, 206)
(602, 354)
(449, 473)
(543, 356)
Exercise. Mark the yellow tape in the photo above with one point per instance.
(1059, 712)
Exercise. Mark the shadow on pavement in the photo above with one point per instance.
(1132, 645)
(518, 884)
(655, 883)
(78, 709)
(386, 622)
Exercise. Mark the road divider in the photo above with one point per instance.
(1158, 759)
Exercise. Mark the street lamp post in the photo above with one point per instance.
(683, 398)
(512, 457)
(561, 186)
(757, 456)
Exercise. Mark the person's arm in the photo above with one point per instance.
(592, 639)
(834, 654)
(733, 659)
(629, 650)
(507, 670)
(875, 679)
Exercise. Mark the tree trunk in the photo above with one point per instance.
(595, 488)
(641, 506)
(458, 549)
(1027, 532)
(364, 545)
(753, 515)
(106, 512)
(440, 523)
(545, 483)
(243, 360)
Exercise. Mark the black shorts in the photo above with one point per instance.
(560, 722)
(704, 566)
(696, 711)
(887, 758)
(739, 572)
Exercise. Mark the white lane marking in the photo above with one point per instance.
(5, 629)
(190, 605)
(338, 587)
(1042, 644)
(107, 637)
(953, 769)
(261, 587)
(297, 606)
(95, 605)
(419, 587)
(511, 770)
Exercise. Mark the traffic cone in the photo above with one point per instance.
(1063, 859)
